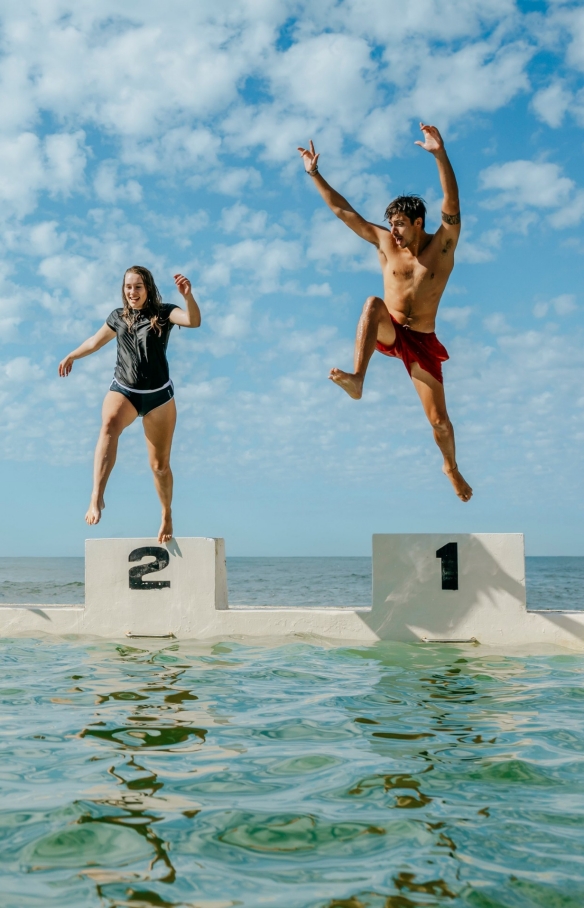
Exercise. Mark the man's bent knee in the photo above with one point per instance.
(440, 422)
(160, 467)
(373, 305)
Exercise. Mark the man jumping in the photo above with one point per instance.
(416, 266)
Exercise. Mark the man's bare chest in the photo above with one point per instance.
(412, 276)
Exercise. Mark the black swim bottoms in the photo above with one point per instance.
(145, 401)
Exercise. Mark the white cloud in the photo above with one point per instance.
(571, 214)
(44, 238)
(476, 252)
(328, 76)
(229, 324)
(21, 369)
(175, 149)
(197, 395)
(28, 166)
(496, 324)
(181, 229)
(108, 189)
(540, 309)
(480, 76)
(456, 315)
(319, 289)
(132, 76)
(307, 341)
(393, 23)
(521, 183)
(264, 259)
(551, 103)
(565, 304)
(170, 91)
(333, 244)
(242, 220)
(573, 21)
(21, 172)
(233, 180)
(85, 283)
(66, 159)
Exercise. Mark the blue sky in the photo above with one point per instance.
(166, 136)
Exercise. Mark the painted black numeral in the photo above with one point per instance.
(448, 554)
(136, 573)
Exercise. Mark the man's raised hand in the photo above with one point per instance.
(433, 141)
(309, 157)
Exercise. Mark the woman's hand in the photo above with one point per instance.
(183, 285)
(101, 337)
(192, 317)
(65, 366)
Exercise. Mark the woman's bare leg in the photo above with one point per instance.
(116, 415)
(158, 429)
(375, 324)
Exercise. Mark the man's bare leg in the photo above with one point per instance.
(375, 324)
(158, 429)
(431, 393)
(116, 415)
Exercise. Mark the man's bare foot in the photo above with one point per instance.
(461, 486)
(349, 382)
(165, 531)
(93, 515)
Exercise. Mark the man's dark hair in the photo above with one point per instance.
(413, 206)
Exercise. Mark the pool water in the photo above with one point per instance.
(297, 776)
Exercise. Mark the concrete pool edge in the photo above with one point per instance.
(428, 588)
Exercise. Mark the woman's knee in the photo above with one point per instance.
(112, 425)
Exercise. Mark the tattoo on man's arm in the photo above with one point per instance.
(451, 218)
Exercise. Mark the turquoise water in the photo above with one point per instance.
(297, 776)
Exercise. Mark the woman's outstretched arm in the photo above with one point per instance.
(99, 339)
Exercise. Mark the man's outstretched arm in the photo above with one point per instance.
(336, 202)
(434, 143)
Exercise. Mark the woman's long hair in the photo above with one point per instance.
(153, 303)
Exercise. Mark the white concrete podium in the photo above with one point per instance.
(450, 588)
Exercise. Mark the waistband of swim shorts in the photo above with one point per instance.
(168, 384)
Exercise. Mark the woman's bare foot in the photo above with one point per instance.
(165, 531)
(461, 486)
(349, 382)
(94, 510)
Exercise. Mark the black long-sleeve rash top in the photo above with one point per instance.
(141, 363)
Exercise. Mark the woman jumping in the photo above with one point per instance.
(141, 384)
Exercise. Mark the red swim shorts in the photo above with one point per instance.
(416, 347)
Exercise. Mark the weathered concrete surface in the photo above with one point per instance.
(409, 602)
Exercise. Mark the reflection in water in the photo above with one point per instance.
(296, 777)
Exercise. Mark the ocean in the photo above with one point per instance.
(296, 775)
(552, 582)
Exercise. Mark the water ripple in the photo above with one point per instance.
(293, 776)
